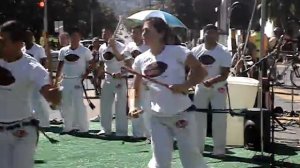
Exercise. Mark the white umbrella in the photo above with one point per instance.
(171, 20)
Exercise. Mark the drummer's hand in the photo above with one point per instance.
(135, 113)
(84, 76)
(112, 43)
(52, 94)
(117, 75)
(179, 88)
(208, 83)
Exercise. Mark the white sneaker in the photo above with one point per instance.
(219, 154)
(95, 119)
(102, 132)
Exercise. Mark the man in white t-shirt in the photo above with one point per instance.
(20, 74)
(63, 39)
(140, 126)
(40, 105)
(114, 87)
(74, 62)
(217, 61)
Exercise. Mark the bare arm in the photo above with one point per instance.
(128, 62)
(51, 94)
(44, 62)
(100, 70)
(58, 72)
(115, 51)
(91, 67)
(195, 75)
(219, 78)
(137, 82)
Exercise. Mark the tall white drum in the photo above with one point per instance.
(242, 92)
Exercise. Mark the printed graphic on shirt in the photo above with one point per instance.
(135, 53)
(206, 59)
(72, 57)
(108, 55)
(30, 54)
(6, 78)
(155, 69)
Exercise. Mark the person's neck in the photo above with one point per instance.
(74, 46)
(210, 46)
(28, 46)
(157, 48)
(13, 57)
(96, 47)
(139, 42)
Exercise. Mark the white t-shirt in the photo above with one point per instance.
(167, 67)
(111, 64)
(74, 67)
(132, 47)
(36, 51)
(213, 60)
(24, 75)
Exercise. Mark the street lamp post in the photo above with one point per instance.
(92, 17)
(45, 19)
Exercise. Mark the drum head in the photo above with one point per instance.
(207, 59)
(72, 58)
(6, 77)
(135, 53)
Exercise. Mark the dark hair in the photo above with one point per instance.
(210, 27)
(74, 30)
(15, 30)
(137, 27)
(173, 39)
(109, 28)
(256, 27)
(161, 27)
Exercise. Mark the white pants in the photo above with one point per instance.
(217, 98)
(18, 152)
(141, 125)
(73, 108)
(164, 130)
(41, 109)
(110, 89)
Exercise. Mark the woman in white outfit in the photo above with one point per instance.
(169, 106)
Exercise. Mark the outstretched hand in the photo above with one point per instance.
(135, 113)
(179, 88)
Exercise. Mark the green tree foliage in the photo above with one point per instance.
(195, 13)
(72, 12)
(285, 14)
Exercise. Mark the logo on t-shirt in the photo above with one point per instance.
(108, 55)
(155, 69)
(72, 57)
(6, 77)
(135, 53)
(30, 54)
(206, 59)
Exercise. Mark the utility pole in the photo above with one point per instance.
(224, 21)
(92, 17)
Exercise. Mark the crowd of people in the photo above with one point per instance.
(163, 71)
